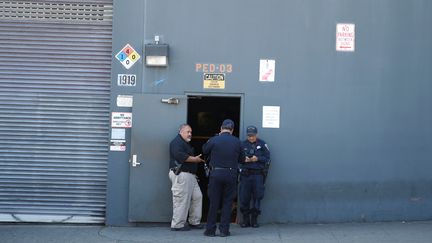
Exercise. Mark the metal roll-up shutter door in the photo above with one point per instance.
(55, 65)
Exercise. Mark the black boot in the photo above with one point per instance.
(254, 220)
(246, 221)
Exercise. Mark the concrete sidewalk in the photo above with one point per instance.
(351, 232)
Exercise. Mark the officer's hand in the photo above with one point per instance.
(247, 159)
(198, 159)
(254, 159)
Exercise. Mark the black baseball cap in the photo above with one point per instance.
(228, 124)
(251, 130)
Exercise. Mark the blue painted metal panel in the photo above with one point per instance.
(355, 141)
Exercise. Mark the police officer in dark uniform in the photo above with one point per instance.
(225, 155)
(253, 171)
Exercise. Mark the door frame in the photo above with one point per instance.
(240, 125)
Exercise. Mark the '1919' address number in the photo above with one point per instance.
(126, 80)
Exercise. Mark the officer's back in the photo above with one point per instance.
(225, 155)
(224, 150)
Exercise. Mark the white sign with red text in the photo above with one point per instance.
(345, 37)
(121, 119)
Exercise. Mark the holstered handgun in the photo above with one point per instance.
(265, 171)
(244, 172)
(206, 167)
(206, 170)
(177, 170)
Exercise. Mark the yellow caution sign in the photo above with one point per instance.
(214, 81)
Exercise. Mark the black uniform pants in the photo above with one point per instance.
(251, 193)
(221, 189)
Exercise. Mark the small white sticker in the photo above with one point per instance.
(124, 100)
(118, 145)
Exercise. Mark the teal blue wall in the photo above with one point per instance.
(355, 139)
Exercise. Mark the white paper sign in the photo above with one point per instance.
(124, 100)
(345, 37)
(118, 133)
(121, 119)
(271, 117)
(267, 70)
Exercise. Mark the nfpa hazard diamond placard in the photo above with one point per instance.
(128, 56)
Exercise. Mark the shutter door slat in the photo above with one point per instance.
(55, 76)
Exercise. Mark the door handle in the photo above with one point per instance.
(135, 163)
(171, 100)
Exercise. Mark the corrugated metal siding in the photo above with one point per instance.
(54, 110)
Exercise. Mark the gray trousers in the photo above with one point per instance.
(187, 199)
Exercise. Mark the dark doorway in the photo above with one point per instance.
(205, 115)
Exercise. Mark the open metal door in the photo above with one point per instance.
(156, 118)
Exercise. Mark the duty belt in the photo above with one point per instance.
(224, 168)
(187, 171)
(252, 171)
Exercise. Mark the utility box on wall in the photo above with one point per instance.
(156, 55)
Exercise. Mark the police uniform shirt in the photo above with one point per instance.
(260, 150)
(224, 150)
(180, 150)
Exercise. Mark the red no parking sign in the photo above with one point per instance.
(345, 37)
